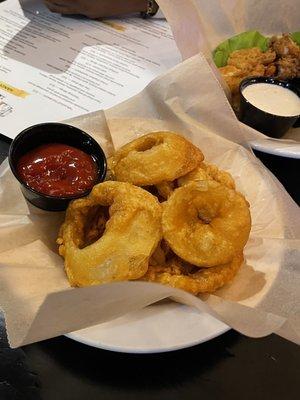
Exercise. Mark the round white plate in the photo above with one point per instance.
(288, 146)
(161, 327)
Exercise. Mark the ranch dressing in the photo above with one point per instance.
(273, 99)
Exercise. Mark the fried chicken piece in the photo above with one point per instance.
(288, 68)
(257, 70)
(243, 63)
(249, 59)
(288, 53)
(232, 76)
(285, 46)
(232, 71)
(270, 69)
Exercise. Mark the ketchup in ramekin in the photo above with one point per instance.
(56, 163)
(57, 169)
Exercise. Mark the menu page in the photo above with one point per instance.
(54, 67)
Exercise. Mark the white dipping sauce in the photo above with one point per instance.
(273, 99)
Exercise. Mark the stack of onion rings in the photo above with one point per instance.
(193, 241)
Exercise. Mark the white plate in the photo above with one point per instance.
(161, 327)
(288, 146)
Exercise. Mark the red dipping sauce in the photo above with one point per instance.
(57, 169)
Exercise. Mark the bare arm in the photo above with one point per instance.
(96, 8)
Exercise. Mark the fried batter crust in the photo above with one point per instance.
(206, 223)
(131, 234)
(153, 158)
(178, 274)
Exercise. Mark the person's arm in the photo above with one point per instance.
(97, 8)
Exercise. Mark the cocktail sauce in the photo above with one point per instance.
(57, 169)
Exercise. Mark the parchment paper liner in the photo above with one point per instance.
(264, 297)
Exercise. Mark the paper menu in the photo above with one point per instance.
(54, 67)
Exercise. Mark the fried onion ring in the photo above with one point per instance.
(203, 172)
(204, 280)
(207, 172)
(153, 158)
(129, 237)
(206, 223)
(165, 189)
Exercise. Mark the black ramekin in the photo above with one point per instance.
(270, 124)
(52, 132)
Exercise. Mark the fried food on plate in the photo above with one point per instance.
(153, 158)
(246, 62)
(205, 172)
(181, 275)
(288, 67)
(288, 53)
(193, 241)
(165, 188)
(278, 57)
(232, 76)
(206, 223)
(99, 251)
(284, 46)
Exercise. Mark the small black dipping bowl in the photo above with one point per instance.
(270, 124)
(40, 134)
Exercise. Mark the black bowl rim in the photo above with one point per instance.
(274, 81)
(100, 177)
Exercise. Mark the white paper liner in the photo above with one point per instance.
(263, 298)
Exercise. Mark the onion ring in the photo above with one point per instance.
(201, 173)
(153, 158)
(130, 235)
(206, 223)
(207, 172)
(205, 280)
(165, 189)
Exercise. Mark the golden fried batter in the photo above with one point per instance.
(244, 63)
(248, 59)
(270, 69)
(165, 189)
(205, 172)
(131, 234)
(194, 240)
(282, 60)
(206, 223)
(288, 57)
(153, 158)
(288, 67)
(181, 275)
(232, 76)
(285, 46)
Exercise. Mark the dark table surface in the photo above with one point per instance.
(228, 367)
